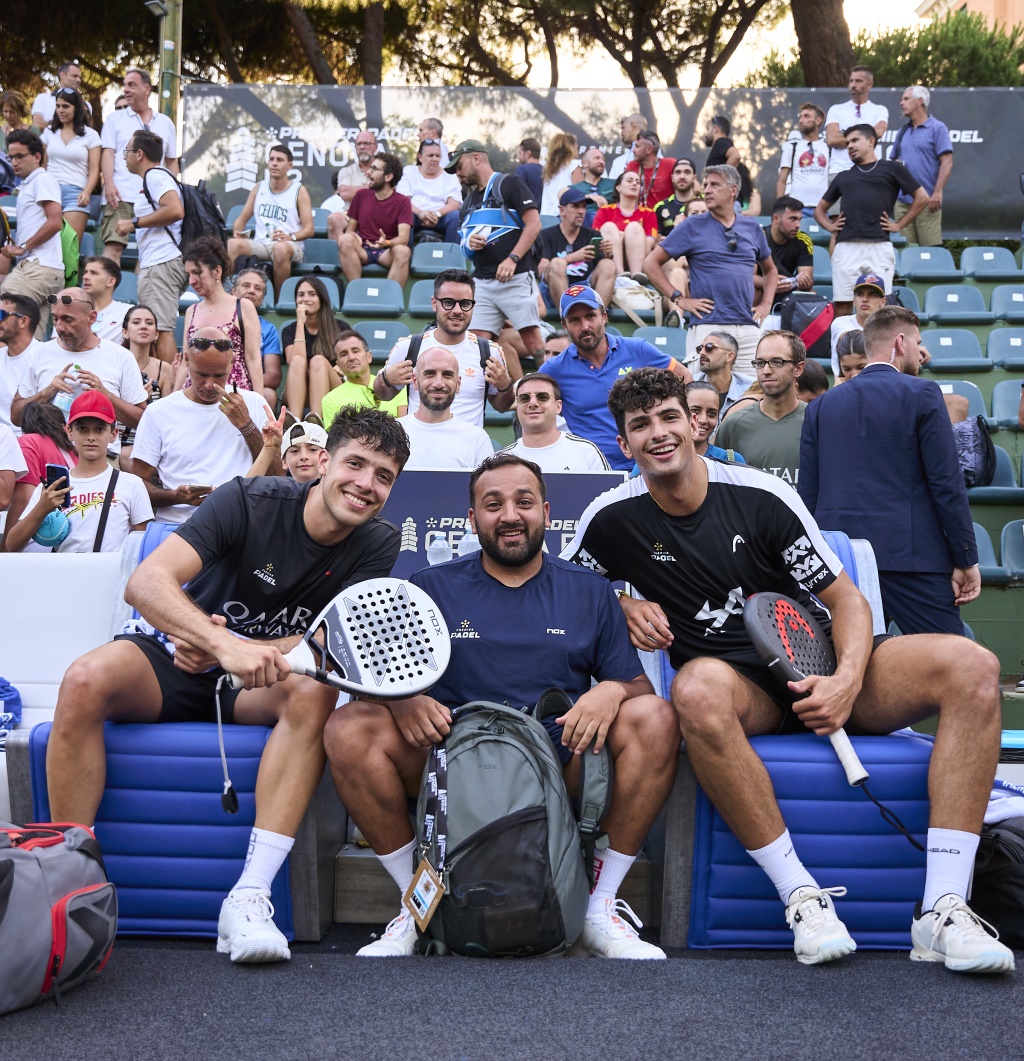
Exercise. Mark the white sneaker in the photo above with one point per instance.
(820, 935)
(246, 929)
(953, 934)
(398, 940)
(606, 935)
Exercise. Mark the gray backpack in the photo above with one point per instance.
(495, 821)
(58, 912)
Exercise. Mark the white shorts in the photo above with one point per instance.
(853, 259)
(264, 249)
(514, 300)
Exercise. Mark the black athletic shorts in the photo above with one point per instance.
(763, 678)
(186, 697)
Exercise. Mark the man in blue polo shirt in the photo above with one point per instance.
(721, 247)
(587, 369)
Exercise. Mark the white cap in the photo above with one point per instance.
(301, 432)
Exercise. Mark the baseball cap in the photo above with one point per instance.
(91, 403)
(313, 434)
(466, 147)
(579, 295)
(870, 280)
(570, 196)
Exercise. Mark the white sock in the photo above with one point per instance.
(267, 852)
(399, 865)
(950, 864)
(610, 869)
(780, 862)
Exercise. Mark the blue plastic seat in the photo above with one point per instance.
(320, 257)
(1006, 348)
(320, 217)
(671, 341)
(128, 289)
(820, 237)
(931, 264)
(429, 259)
(381, 336)
(420, 305)
(233, 215)
(1008, 303)
(286, 302)
(1006, 403)
(1003, 490)
(1011, 548)
(989, 263)
(992, 572)
(87, 246)
(373, 298)
(956, 304)
(970, 391)
(822, 266)
(907, 298)
(955, 350)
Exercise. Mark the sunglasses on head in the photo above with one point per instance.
(67, 300)
(65, 93)
(223, 345)
(465, 304)
(5, 313)
(542, 396)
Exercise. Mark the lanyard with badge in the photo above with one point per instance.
(424, 894)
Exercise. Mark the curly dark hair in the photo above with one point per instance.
(209, 251)
(392, 166)
(373, 428)
(505, 460)
(643, 389)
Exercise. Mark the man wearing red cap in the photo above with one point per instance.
(92, 427)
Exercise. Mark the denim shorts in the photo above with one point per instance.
(69, 194)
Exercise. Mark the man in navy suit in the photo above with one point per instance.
(878, 460)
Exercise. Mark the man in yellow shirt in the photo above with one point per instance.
(353, 361)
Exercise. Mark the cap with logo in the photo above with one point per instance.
(579, 295)
(466, 147)
(570, 196)
(311, 434)
(870, 280)
(94, 404)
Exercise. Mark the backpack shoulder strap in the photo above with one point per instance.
(108, 497)
(414, 348)
(894, 153)
(595, 795)
(484, 346)
(154, 206)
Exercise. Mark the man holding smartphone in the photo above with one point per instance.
(572, 253)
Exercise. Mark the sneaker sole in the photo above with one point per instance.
(828, 952)
(253, 951)
(983, 963)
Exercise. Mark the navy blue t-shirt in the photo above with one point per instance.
(559, 629)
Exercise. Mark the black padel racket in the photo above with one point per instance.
(791, 641)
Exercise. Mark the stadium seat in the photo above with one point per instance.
(955, 350)
(1003, 490)
(1008, 303)
(420, 295)
(87, 246)
(320, 223)
(1011, 548)
(822, 266)
(907, 298)
(1005, 404)
(972, 392)
(233, 215)
(286, 302)
(429, 259)
(320, 257)
(187, 298)
(819, 236)
(373, 298)
(928, 264)
(992, 572)
(825, 290)
(989, 263)
(381, 336)
(547, 220)
(671, 340)
(179, 331)
(493, 418)
(955, 304)
(1006, 348)
(128, 289)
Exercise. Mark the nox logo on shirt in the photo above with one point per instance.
(464, 630)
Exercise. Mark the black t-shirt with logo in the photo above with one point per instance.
(719, 151)
(551, 243)
(508, 194)
(751, 534)
(262, 570)
(669, 213)
(791, 255)
(868, 192)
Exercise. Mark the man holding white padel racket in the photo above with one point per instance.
(262, 558)
(697, 537)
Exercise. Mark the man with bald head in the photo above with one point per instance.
(629, 128)
(77, 360)
(437, 439)
(192, 441)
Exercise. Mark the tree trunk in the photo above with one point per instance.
(225, 44)
(371, 47)
(310, 45)
(826, 52)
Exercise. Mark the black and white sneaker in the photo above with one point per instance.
(819, 934)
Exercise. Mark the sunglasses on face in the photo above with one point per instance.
(542, 396)
(5, 313)
(223, 345)
(66, 300)
(777, 363)
(708, 347)
(465, 304)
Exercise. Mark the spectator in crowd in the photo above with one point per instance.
(69, 75)
(555, 342)
(121, 187)
(768, 433)
(349, 179)
(14, 108)
(792, 250)
(868, 295)
(672, 209)
(628, 129)
(594, 185)
(73, 157)
(207, 266)
(749, 198)
(529, 170)
(704, 402)
(813, 383)
(851, 355)
(77, 359)
(857, 110)
(868, 190)
(334, 204)
(587, 368)
(282, 219)
(252, 284)
(560, 171)
(568, 256)
(803, 163)
(12, 465)
(654, 170)
(453, 304)
(695, 207)
(436, 196)
(156, 222)
(298, 449)
(911, 500)
(19, 317)
(538, 405)
(139, 334)
(311, 335)
(352, 358)
(437, 439)
(192, 441)
(723, 151)
(500, 225)
(629, 227)
(121, 102)
(39, 272)
(92, 427)
(379, 224)
(717, 361)
(752, 396)
(924, 147)
(100, 277)
(433, 129)
(722, 250)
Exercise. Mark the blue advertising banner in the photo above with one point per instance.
(429, 505)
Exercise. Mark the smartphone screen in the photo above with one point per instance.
(55, 472)
(596, 242)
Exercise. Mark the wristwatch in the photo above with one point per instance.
(135, 221)
(515, 258)
(293, 237)
(675, 294)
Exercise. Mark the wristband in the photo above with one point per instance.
(505, 390)
(249, 428)
(384, 376)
